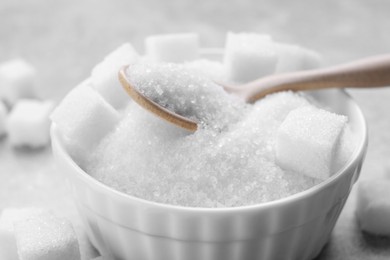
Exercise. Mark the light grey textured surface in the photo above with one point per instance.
(64, 39)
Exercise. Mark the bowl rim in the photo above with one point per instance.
(358, 153)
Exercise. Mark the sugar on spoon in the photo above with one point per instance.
(366, 73)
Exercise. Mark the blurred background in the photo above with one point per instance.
(65, 39)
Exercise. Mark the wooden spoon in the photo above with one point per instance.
(366, 73)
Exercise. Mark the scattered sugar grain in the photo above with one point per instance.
(209, 168)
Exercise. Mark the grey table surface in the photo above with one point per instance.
(64, 39)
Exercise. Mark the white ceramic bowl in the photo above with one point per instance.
(296, 227)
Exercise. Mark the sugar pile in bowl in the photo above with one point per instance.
(241, 154)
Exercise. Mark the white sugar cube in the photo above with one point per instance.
(28, 123)
(249, 56)
(373, 206)
(294, 58)
(8, 218)
(307, 140)
(172, 47)
(104, 76)
(84, 118)
(17, 80)
(3, 117)
(46, 238)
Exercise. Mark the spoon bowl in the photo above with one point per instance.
(154, 107)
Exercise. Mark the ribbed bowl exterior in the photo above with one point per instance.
(294, 228)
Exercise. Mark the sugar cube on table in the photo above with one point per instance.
(8, 217)
(104, 76)
(293, 58)
(307, 139)
(28, 123)
(3, 116)
(172, 47)
(373, 206)
(46, 238)
(17, 80)
(84, 118)
(249, 56)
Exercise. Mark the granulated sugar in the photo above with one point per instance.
(186, 93)
(230, 161)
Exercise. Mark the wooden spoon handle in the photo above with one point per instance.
(366, 73)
